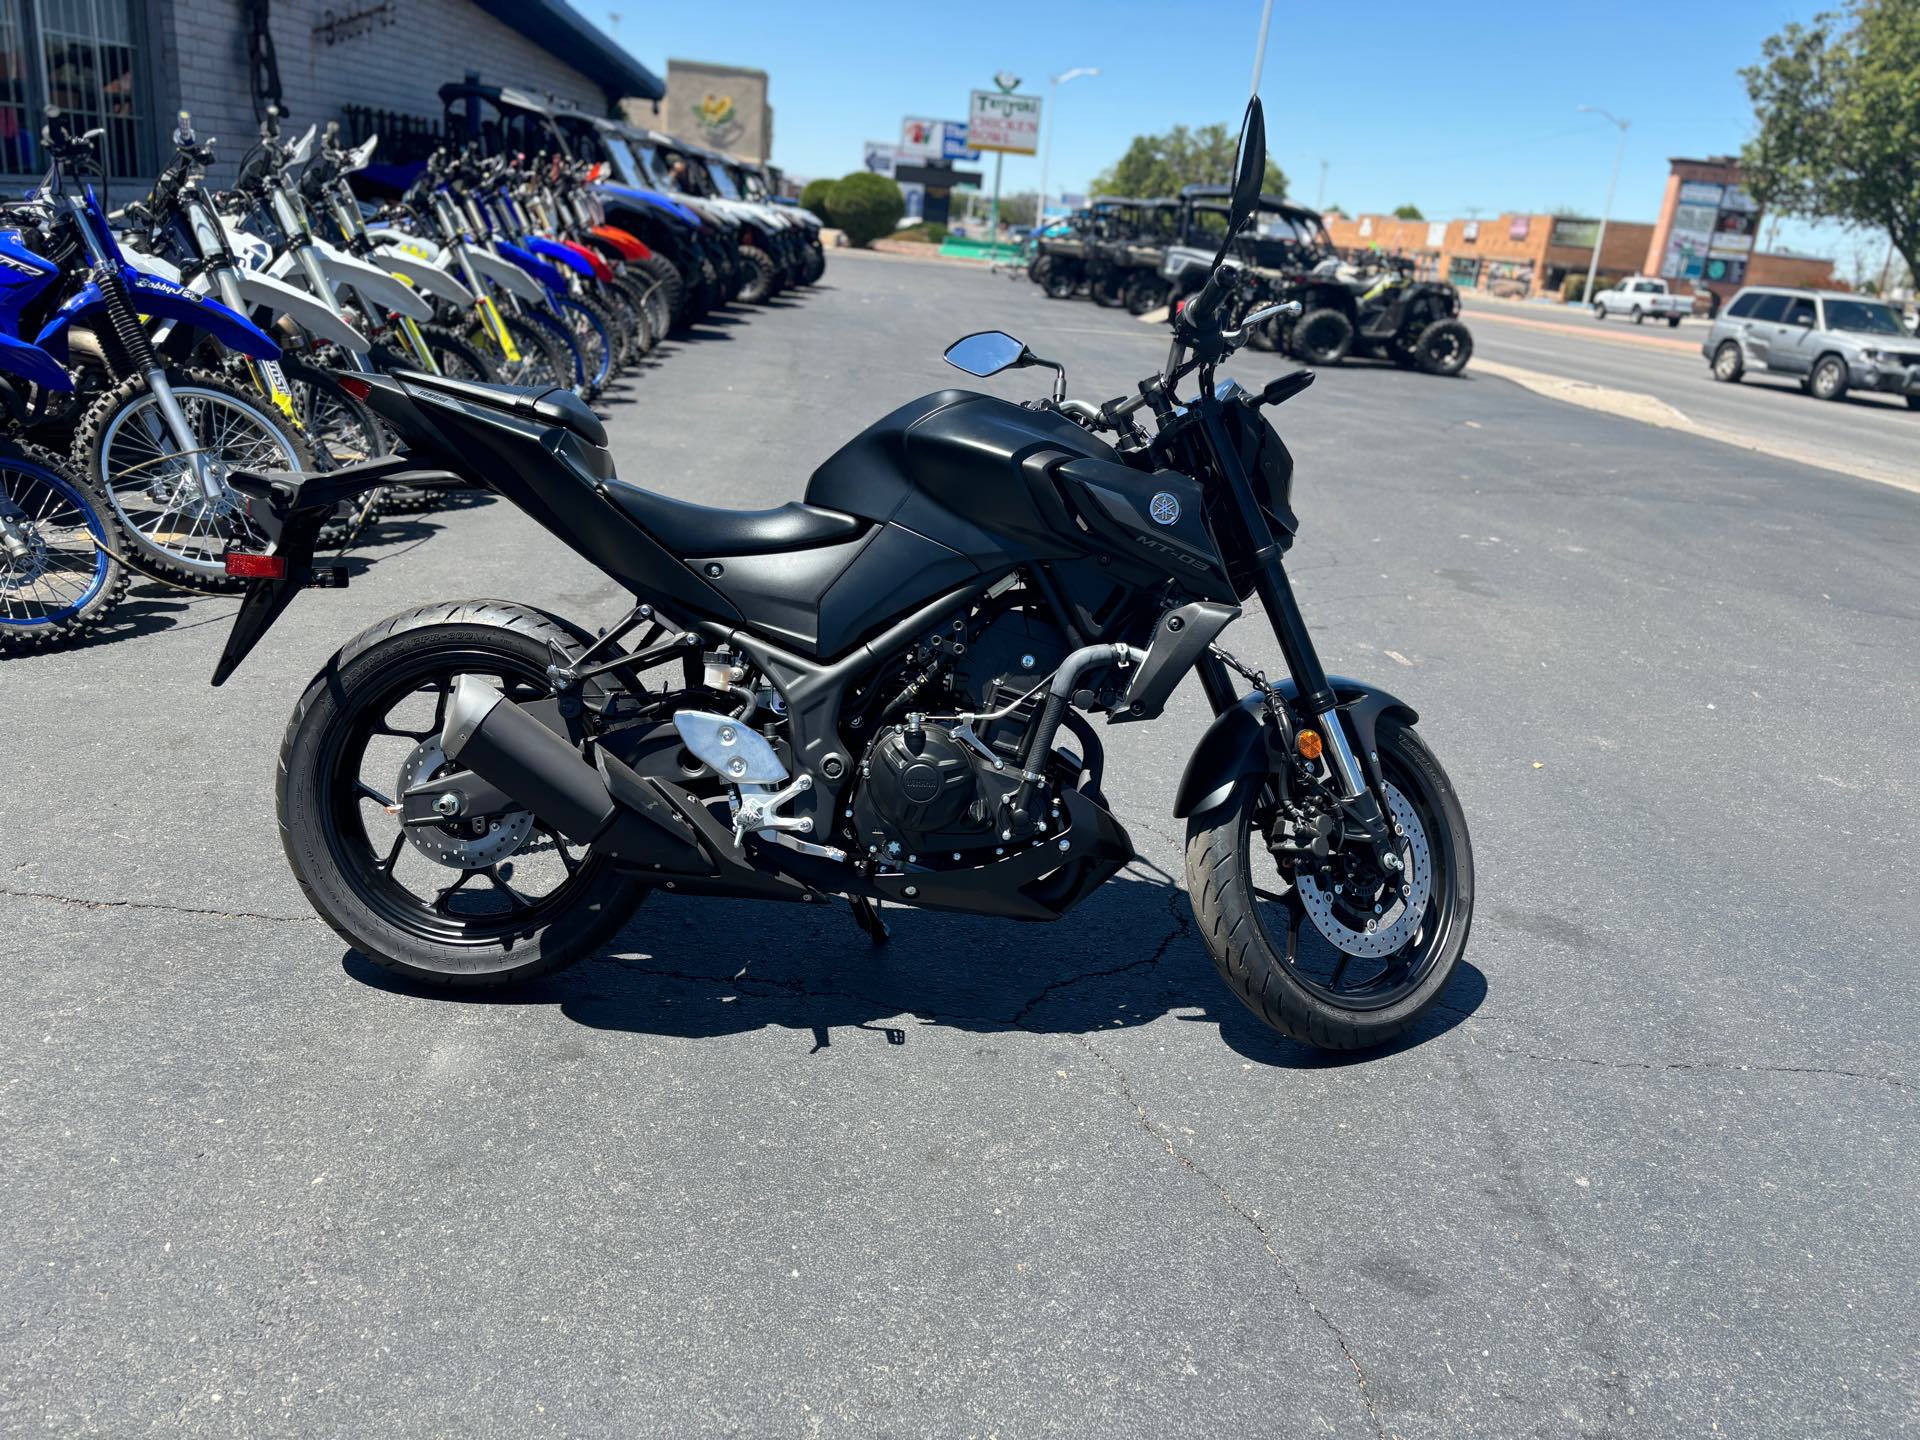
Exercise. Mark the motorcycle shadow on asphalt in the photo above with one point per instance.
(697, 968)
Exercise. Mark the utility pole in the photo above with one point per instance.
(1046, 151)
(1606, 211)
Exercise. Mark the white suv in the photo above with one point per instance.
(1832, 341)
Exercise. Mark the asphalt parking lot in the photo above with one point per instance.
(1649, 1171)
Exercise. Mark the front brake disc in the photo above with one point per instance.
(1398, 923)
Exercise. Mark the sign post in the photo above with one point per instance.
(1007, 124)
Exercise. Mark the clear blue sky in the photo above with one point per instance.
(1443, 107)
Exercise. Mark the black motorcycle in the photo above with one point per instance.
(880, 694)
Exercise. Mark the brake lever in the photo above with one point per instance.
(1285, 310)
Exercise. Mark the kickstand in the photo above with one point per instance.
(866, 915)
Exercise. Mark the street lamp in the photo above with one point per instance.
(1606, 211)
(1046, 153)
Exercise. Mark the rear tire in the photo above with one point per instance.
(324, 821)
(1267, 972)
(1913, 402)
(1323, 337)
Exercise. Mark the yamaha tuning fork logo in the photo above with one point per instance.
(1164, 508)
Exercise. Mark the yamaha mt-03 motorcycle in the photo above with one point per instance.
(879, 694)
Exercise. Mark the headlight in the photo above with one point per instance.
(1877, 355)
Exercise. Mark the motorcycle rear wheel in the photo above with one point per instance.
(1267, 947)
(359, 727)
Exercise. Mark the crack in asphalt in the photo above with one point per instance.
(1200, 1172)
(81, 902)
(1709, 1067)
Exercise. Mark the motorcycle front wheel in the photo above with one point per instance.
(1351, 964)
(470, 903)
(137, 469)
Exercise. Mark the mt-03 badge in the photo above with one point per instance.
(1164, 508)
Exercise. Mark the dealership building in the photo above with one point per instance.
(1706, 237)
(128, 66)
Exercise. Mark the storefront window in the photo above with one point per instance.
(83, 56)
(1465, 271)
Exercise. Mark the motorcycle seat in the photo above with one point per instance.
(698, 531)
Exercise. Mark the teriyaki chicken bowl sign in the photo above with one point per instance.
(1008, 124)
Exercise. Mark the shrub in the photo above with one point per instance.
(926, 232)
(866, 206)
(1574, 289)
(814, 198)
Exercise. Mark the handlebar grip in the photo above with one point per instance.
(1200, 310)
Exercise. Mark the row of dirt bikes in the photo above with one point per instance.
(1149, 254)
(148, 354)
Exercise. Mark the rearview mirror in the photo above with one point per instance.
(988, 352)
(1250, 165)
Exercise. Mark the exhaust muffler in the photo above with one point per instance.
(609, 807)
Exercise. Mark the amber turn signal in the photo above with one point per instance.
(1307, 742)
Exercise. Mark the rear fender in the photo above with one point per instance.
(1245, 740)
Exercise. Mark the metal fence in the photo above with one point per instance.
(404, 139)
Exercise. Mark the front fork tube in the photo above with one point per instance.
(212, 484)
(1316, 698)
(417, 343)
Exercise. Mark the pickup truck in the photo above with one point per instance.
(1641, 297)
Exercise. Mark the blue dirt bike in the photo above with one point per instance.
(58, 574)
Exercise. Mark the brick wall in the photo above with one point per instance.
(395, 66)
(1510, 253)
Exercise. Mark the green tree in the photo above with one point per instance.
(866, 206)
(1162, 164)
(814, 197)
(1408, 212)
(1838, 109)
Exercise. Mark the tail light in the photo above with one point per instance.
(356, 387)
(250, 565)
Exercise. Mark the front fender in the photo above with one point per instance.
(534, 266)
(1246, 734)
(561, 254)
(166, 300)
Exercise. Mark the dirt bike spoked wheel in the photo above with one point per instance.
(471, 901)
(58, 578)
(337, 428)
(1327, 950)
(539, 357)
(592, 329)
(172, 529)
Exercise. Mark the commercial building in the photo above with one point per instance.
(129, 65)
(724, 106)
(1706, 237)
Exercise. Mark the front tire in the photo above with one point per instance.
(59, 578)
(1829, 379)
(535, 909)
(1444, 347)
(1268, 950)
(172, 531)
(1728, 363)
(761, 275)
(1323, 337)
